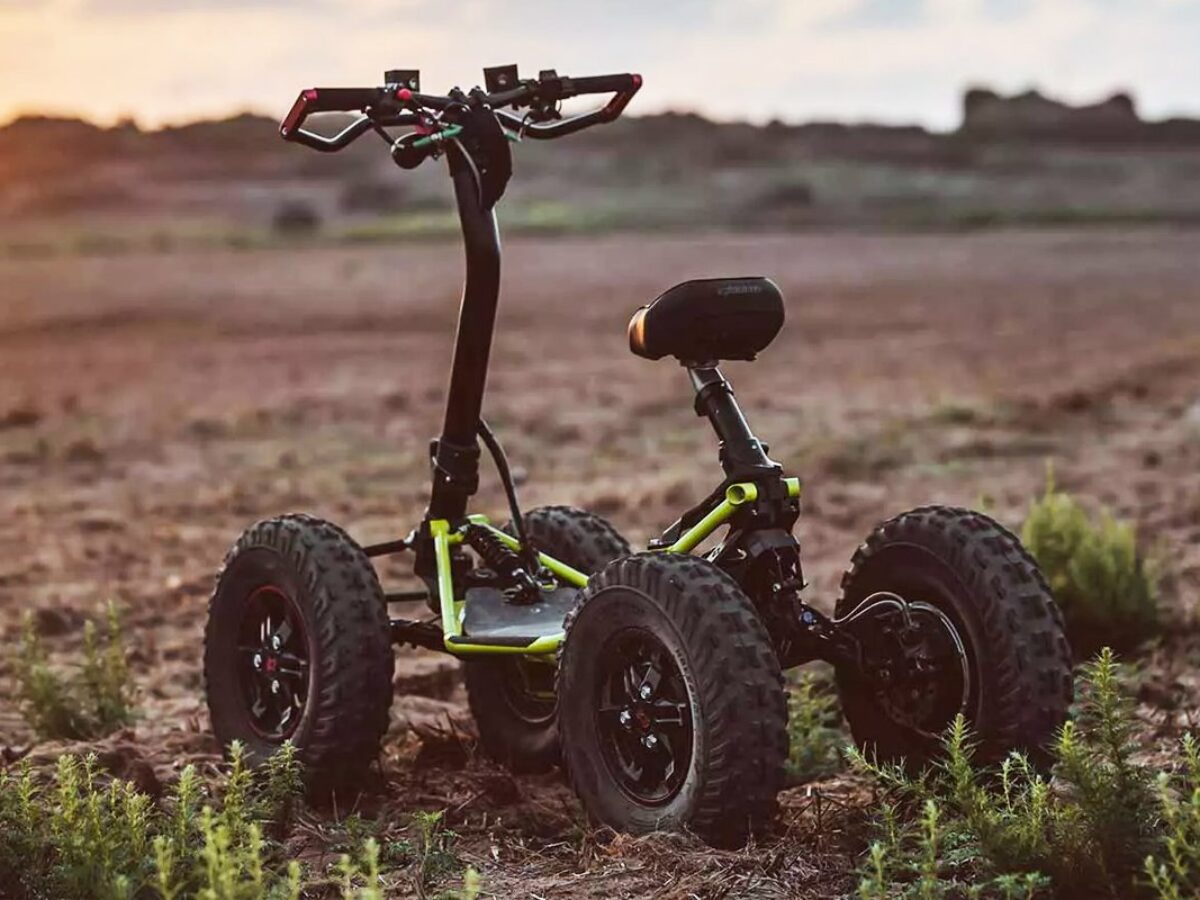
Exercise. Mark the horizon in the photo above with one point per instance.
(233, 114)
(879, 61)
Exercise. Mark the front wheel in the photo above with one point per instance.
(979, 634)
(297, 647)
(671, 703)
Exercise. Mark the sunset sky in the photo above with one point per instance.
(889, 60)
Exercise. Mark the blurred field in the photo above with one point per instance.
(69, 186)
(152, 405)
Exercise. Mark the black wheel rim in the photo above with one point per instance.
(644, 719)
(273, 663)
(528, 689)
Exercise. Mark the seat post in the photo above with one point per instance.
(742, 455)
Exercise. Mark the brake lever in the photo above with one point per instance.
(562, 127)
(339, 141)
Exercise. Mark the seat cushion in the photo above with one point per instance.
(709, 320)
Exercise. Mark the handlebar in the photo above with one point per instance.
(396, 105)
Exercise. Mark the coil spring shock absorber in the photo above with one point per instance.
(521, 586)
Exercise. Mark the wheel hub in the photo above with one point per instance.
(643, 717)
(917, 659)
(273, 669)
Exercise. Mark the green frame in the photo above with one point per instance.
(453, 609)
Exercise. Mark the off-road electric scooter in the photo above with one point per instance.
(655, 678)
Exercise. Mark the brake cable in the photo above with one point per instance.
(496, 451)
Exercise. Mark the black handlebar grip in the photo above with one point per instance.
(606, 84)
(343, 99)
(327, 100)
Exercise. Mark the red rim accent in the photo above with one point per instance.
(273, 666)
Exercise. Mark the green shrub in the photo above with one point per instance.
(1174, 873)
(1010, 832)
(82, 836)
(104, 679)
(1107, 591)
(815, 735)
(95, 701)
(45, 699)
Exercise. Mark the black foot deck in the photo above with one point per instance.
(491, 618)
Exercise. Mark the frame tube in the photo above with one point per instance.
(439, 530)
(735, 495)
(564, 572)
(473, 342)
(452, 608)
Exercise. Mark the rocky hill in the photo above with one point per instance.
(1033, 116)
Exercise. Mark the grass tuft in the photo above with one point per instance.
(1174, 872)
(815, 735)
(94, 701)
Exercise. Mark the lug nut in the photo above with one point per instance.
(258, 660)
(275, 642)
(650, 741)
(624, 717)
(645, 692)
(274, 687)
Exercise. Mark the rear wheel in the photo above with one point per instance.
(671, 701)
(297, 647)
(979, 634)
(512, 698)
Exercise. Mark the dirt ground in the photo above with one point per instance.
(151, 406)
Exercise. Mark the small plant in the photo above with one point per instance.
(83, 836)
(1174, 873)
(46, 701)
(472, 887)
(95, 701)
(815, 737)
(364, 870)
(1006, 832)
(435, 849)
(283, 789)
(1107, 591)
(104, 679)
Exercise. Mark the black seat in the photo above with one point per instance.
(709, 320)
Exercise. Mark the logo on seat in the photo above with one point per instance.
(726, 289)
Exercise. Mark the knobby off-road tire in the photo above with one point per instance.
(335, 594)
(512, 698)
(978, 574)
(724, 675)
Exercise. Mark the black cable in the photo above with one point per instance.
(528, 551)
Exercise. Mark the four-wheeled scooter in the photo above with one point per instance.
(654, 678)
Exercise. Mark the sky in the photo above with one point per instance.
(897, 61)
